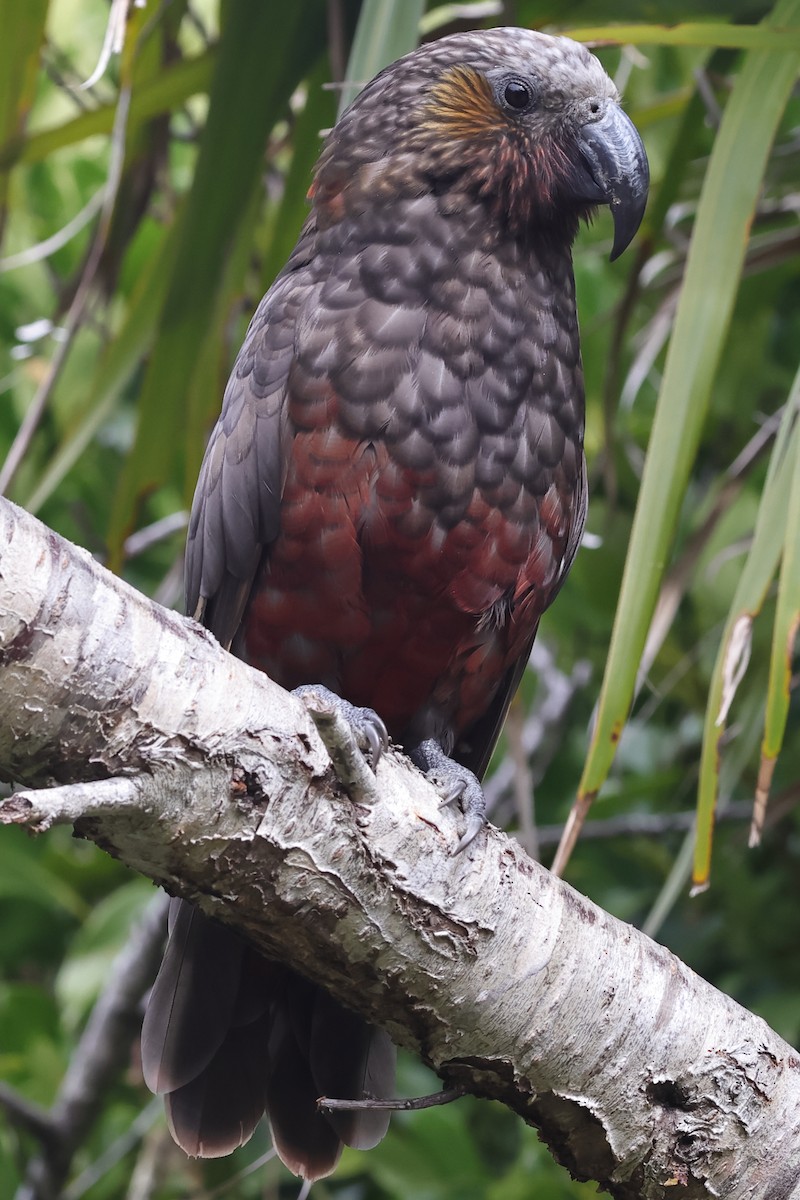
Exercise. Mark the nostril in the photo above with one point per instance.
(594, 108)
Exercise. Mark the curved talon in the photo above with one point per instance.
(376, 734)
(453, 793)
(475, 823)
(455, 783)
(365, 722)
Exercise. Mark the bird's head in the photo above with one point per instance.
(530, 124)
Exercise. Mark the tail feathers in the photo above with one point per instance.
(319, 1048)
(351, 1060)
(228, 1034)
(192, 1001)
(305, 1140)
(219, 1110)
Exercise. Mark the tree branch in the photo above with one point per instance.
(214, 782)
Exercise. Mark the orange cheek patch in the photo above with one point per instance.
(461, 105)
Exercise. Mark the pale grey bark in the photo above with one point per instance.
(214, 782)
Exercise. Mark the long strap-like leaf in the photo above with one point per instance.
(729, 195)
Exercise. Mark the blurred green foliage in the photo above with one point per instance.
(226, 105)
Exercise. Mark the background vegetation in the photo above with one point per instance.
(142, 218)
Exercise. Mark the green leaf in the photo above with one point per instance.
(386, 30)
(31, 1057)
(783, 35)
(101, 937)
(121, 357)
(23, 30)
(787, 625)
(173, 86)
(260, 60)
(22, 877)
(734, 651)
(729, 195)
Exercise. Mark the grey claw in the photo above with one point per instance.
(376, 736)
(365, 722)
(475, 824)
(453, 793)
(455, 783)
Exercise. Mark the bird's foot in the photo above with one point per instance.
(368, 728)
(455, 783)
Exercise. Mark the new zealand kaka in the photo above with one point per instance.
(391, 498)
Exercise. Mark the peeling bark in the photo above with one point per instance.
(208, 778)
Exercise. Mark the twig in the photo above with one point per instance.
(56, 73)
(170, 590)
(50, 245)
(26, 1114)
(151, 535)
(197, 22)
(641, 825)
(611, 383)
(410, 1104)
(113, 40)
(349, 763)
(337, 50)
(102, 1051)
(678, 578)
(706, 93)
(155, 1149)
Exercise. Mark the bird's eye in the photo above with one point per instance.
(517, 95)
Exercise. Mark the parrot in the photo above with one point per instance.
(391, 498)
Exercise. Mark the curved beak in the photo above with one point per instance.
(613, 153)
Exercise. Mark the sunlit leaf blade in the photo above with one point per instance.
(679, 157)
(260, 61)
(778, 35)
(730, 191)
(386, 30)
(734, 651)
(174, 85)
(785, 631)
(471, 10)
(23, 29)
(121, 357)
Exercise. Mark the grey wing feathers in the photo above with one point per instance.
(578, 526)
(205, 1034)
(236, 508)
